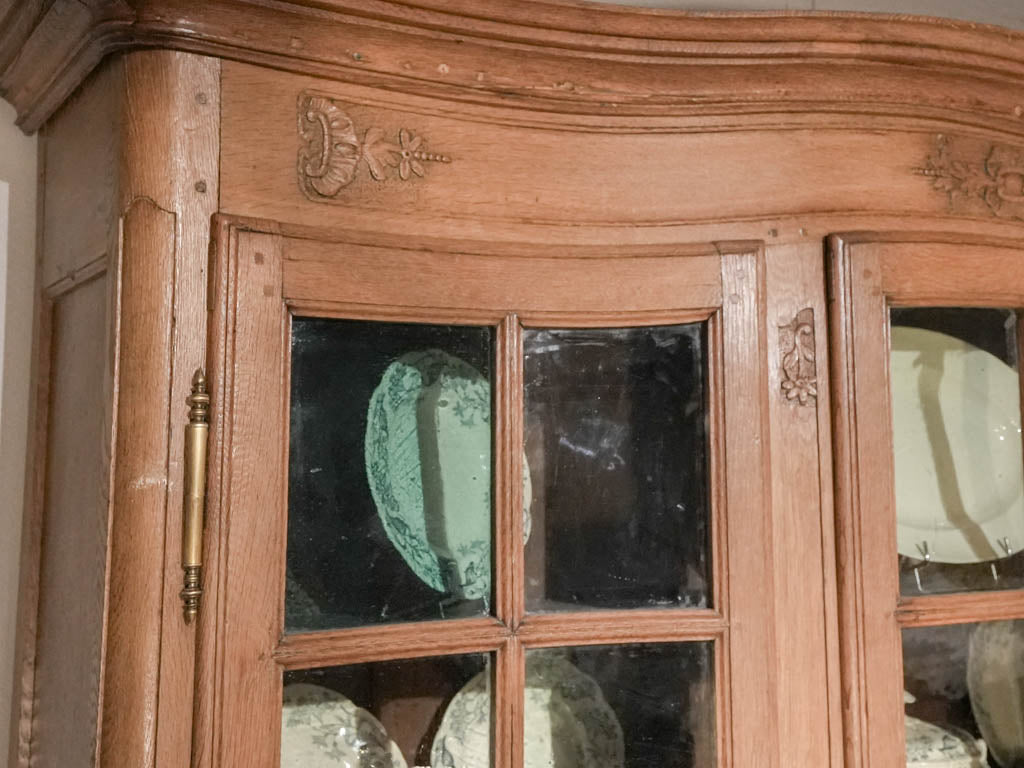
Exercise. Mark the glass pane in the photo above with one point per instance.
(957, 441)
(625, 706)
(964, 694)
(389, 714)
(615, 428)
(389, 499)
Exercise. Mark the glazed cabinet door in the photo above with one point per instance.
(926, 336)
(482, 506)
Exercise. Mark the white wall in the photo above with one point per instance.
(17, 275)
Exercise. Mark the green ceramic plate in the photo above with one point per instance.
(428, 461)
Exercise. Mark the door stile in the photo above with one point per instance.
(748, 567)
(252, 519)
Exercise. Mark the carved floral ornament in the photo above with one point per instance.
(799, 371)
(993, 174)
(331, 151)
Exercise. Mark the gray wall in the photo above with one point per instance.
(1007, 13)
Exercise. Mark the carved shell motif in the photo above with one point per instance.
(330, 151)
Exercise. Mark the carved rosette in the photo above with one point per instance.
(993, 174)
(330, 151)
(799, 381)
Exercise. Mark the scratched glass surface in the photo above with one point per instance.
(959, 472)
(389, 514)
(964, 694)
(389, 714)
(627, 706)
(616, 442)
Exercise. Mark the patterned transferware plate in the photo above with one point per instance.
(428, 461)
(957, 441)
(930, 746)
(320, 728)
(567, 720)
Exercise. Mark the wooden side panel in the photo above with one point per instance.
(20, 724)
(168, 190)
(64, 556)
(65, 708)
(132, 170)
(175, 162)
(83, 143)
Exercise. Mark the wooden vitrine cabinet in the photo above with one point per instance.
(578, 385)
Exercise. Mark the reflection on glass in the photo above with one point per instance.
(964, 694)
(389, 499)
(959, 471)
(626, 706)
(389, 714)
(615, 432)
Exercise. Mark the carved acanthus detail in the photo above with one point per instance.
(796, 346)
(331, 152)
(993, 174)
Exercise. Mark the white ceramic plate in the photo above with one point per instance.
(428, 461)
(957, 440)
(320, 728)
(567, 721)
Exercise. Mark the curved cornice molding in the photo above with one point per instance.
(550, 55)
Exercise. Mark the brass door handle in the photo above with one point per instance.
(194, 505)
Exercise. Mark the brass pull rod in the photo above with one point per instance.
(194, 507)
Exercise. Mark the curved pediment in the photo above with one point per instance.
(545, 55)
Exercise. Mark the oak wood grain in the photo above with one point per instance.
(872, 664)
(541, 630)
(394, 641)
(932, 610)
(139, 485)
(527, 177)
(640, 284)
(805, 595)
(167, 147)
(509, 567)
(253, 531)
(209, 639)
(748, 568)
(176, 163)
(597, 59)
